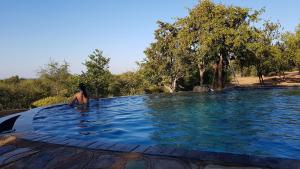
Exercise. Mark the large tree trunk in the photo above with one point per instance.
(215, 68)
(220, 84)
(97, 92)
(242, 71)
(261, 79)
(172, 87)
(260, 74)
(283, 74)
(174, 84)
(201, 73)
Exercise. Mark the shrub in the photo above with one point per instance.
(50, 100)
(155, 89)
(21, 94)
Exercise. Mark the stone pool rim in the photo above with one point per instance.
(24, 130)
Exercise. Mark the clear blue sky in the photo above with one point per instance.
(33, 31)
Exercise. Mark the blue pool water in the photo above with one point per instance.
(259, 122)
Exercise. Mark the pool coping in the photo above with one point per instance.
(166, 151)
(24, 130)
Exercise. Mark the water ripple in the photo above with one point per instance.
(260, 122)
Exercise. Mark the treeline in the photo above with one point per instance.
(204, 48)
(55, 84)
(213, 40)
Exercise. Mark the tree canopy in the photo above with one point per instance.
(210, 38)
(97, 74)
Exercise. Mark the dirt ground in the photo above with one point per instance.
(290, 79)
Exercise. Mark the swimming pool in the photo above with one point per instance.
(256, 122)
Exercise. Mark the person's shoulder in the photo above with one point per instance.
(78, 94)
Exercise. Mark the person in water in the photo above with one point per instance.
(80, 99)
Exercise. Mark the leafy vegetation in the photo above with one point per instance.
(211, 40)
(16, 93)
(50, 101)
(97, 75)
(204, 48)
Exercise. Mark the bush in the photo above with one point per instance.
(249, 71)
(21, 94)
(155, 89)
(50, 100)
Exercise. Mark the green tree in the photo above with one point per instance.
(12, 80)
(56, 76)
(129, 83)
(210, 36)
(263, 49)
(164, 57)
(97, 74)
(220, 34)
(19, 94)
(292, 46)
(281, 62)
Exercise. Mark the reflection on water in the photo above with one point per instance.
(260, 122)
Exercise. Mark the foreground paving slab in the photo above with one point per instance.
(106, 161)
(5, 149)
(162, 163)
(224, 167)
(15, 155)
(22, 153)
(136, 164)
(77, 161)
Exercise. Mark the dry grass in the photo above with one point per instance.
(290, 79)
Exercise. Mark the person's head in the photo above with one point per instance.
(81, 86)
(83, 89)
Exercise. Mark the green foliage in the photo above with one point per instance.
(50, 101)
(17, 95)
(165, 57)
(129, 83)
(73, 83)
(217, 33)
(12, 80)
(291, 46)
(248, 71)
(267, 56)
(57, 77)
(206, 41)
(208, 38)
(97, 76)
(155, 89)
(54, 80)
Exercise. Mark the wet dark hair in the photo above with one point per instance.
(83, 89)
